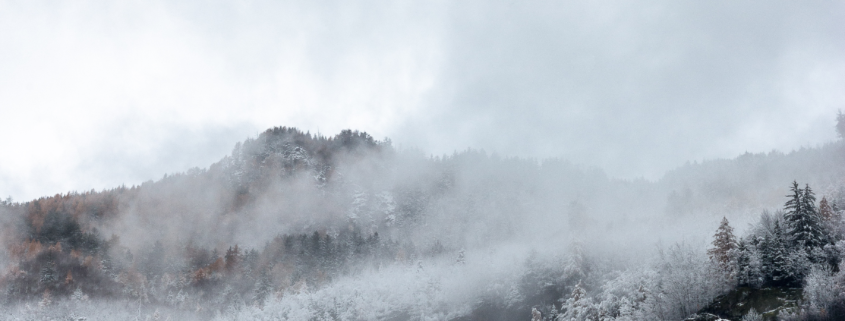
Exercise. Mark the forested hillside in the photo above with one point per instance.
(296, 226)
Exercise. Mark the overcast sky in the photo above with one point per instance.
(94, 94)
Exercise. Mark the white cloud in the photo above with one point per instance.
(94, 94)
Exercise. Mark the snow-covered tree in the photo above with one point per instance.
(747, 264)
(775, 256)
(263, 287)
(578, 307)
(724, 246)
(821, 290)
(805, 226)
(793, 205)
(686, 283)
(825, 210)
(536, 315)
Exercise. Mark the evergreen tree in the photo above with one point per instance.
(755, 276)
(776, 257)
(232, 258)
(154, 261)
(808, 200)
(578, 307)
(764, 246)
(805, 226)
(48, 274)
(798, 266)
(263, 288)
(793, 205)
(744, 273)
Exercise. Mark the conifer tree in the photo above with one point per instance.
(831, 220)
(745, 274)
(780, 255)
(764, 248)
(793, 205)
(775, 256)
(263, 287)
(805, 227)
(808, 200)
(232, 258)
(724, 244)
(825, 211)
(48, 274)
(578, 307)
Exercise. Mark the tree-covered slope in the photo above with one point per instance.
(348, 227)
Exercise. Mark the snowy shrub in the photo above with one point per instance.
(752, 315)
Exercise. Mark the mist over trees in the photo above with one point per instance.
(296, 226)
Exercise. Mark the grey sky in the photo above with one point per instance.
(97, 94)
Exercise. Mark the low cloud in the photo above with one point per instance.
(634, 88)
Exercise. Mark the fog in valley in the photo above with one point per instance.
(296, 226)
(422, 161)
